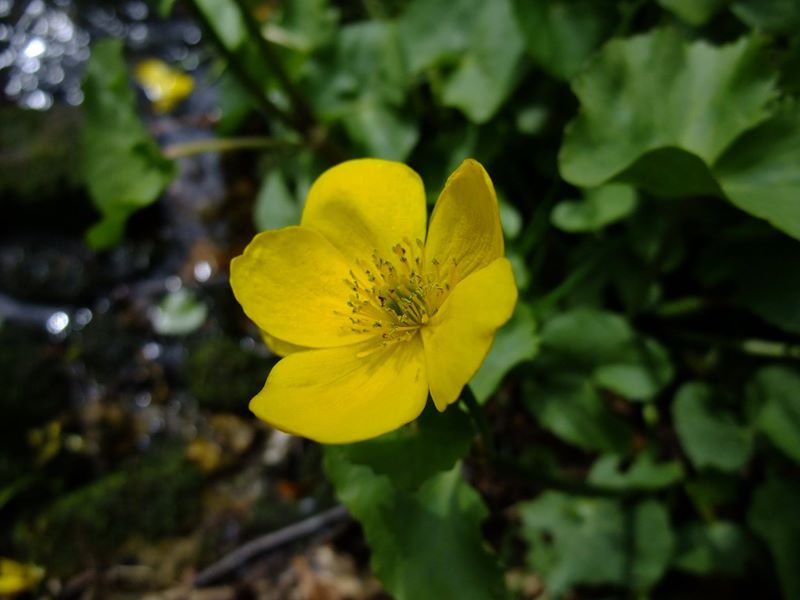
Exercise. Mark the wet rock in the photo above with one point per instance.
(222, 375)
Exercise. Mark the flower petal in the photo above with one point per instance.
(459, 336)
(280, 347)
(366, 205)
(465, 224)
(336, 395)
(291, 283)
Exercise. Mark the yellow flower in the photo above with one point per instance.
(164, 86)
(369, 316)
(16, 578)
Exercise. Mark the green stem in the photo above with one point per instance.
(769, 349)
(479, 421)
(303, 110)
(315, 137)
(226, 145)
(241, 72)
(681, 307)
(751, 347)
(547, 480)
(546, 302)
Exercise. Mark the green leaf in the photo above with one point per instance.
(532, 119)
(226, 19)
(638, 373)
(710, 435)
(753, 271)
(425, 545)
(363, 86)
(369, 62)
(574, 540)
(594, 541)
(710, 490)
(759, 172)
(599, 208)
(490, 68)
(380, 130)
(165, 8)
(234, 102)
(717, 547)
(781, 16)
(653, 543)
(643, 474)
(413, 454)
(179, 313)
(585, 336)
(515, 342)
(122, 165)
(609, 350)
(275, 205)
(775, 516)
(436, 31)
(481, 42)
(656, 91)
(671, 172)
(775, 391)
(511, 219)
(304, 25)
(569, 407)
(694, 12)
(681, 119)
(561, 35)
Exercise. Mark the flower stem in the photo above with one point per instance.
(225, 145)
(479, 421)
(305, 116)
(240, 70)
(315, 136)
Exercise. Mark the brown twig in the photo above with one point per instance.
(266, 543)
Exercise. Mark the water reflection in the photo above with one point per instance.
(57, 322)
(45, 44)
(42, 52)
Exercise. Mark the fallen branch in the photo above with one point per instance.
(267, 543)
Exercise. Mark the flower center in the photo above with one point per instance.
(394, 297)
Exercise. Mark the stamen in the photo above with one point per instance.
(393, 298)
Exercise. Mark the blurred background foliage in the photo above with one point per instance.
(642, 409)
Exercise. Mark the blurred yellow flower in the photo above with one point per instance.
(164, 86)
(16, 578)
(369, 316)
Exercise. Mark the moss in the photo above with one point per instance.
(154, 497)
(35, 386)
(223, 376)
(41, 159)
(40, 174)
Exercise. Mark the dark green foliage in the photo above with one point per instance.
(413, 454)
(425, 544)
(122, 165)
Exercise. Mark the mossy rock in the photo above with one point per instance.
(40, 172)
(42, 158)
(151, 498)
(224, 376)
